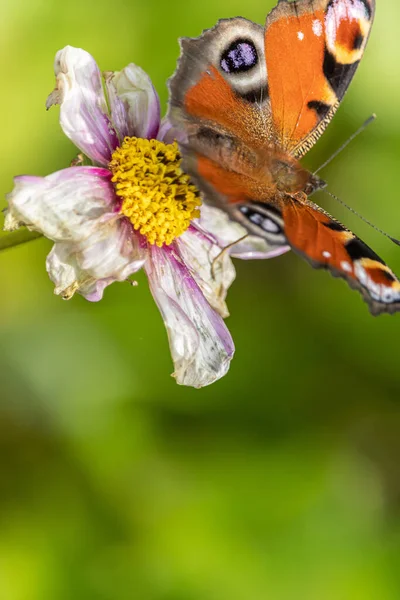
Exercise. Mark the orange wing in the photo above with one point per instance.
(312, 50)
(327, 244)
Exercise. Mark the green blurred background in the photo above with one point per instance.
(280, 482)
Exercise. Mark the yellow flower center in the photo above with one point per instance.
(157, 196)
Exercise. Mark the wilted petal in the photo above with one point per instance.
(225, 231)
(118, 110)
(113, 251)
(65, 206)
(112, 254)
(201, 345)
(168, 133)
(211, 268)
(134, 103)
(68, 278)
(83, 108)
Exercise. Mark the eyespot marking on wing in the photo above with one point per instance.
(240, 56)
(264, 221)
(347, 24)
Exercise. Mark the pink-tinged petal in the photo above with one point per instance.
(201, 345)
(132, 92)
(94, 292)
(217, 223)
(111, 254)
(211, 268)
(63, 270)
(68, 278)
(118, 110)
(168, 133)
(83, 107)
(65, 206)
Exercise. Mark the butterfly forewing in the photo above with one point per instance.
(312, 49)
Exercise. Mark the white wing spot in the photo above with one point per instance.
(300, 35)
(270, 226)
(326, 254)
(361, 274)
(346, 266)
(317, 27)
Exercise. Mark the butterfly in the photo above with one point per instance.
(251, 101)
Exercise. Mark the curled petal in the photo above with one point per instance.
(65, 206)
(168, 133)
(68, 278)
(112, 254)
(211, 268)
(65, 273)
(200, 343)
(225, 232)
(119, 117)
(134, 103)
(83, 108)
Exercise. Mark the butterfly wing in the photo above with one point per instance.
(312, 50)
(219, 100)
(273, 89)
(325, 243)
(241, 93)
(221, 82)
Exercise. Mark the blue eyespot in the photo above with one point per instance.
(240, 56)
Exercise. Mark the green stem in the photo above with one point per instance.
(18, 237)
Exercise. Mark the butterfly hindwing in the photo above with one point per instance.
(326, 244)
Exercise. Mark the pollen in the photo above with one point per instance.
(156, 195)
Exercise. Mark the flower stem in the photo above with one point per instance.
(18, 237)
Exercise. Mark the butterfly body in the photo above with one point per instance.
(251, 102)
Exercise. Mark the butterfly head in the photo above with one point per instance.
(314, 184)
(290, 177)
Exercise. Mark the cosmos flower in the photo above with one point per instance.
(133, 208)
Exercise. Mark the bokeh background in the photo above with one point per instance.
(280, 482)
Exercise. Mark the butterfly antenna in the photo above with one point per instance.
(347, 142)
(391, 238)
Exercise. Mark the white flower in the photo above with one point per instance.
(133, 208)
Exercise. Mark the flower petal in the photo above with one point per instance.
(76, 208)
(200, 343)
(118, 110)
(68, 278)
(65, 206)
(168, 133)
(89, 267)
(211, 268)
(83, 108)
(134, 103)
(113, 251)
(225, 231)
